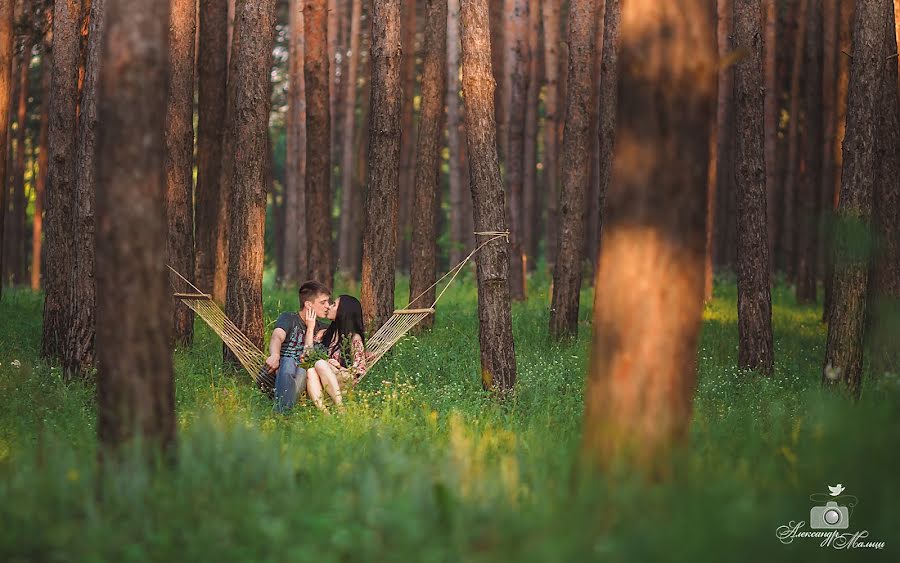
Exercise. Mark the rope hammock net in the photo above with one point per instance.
(253, 360)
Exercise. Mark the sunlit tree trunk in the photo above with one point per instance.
(648, 298)
(423, 266)
(17, 246)
(382, 191)
(498, 360)
(7, 36)
(460, 197)
(551, 39)
(607, 94)
(295, 238)
(43, 140)
(60, 201)
(846, 324)
(135, 391)
(348, 181)
(407, 131)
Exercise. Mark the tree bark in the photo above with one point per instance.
(770, 118)
(517, 60)
(348, 182)
(7, 37)
(318, 135)
(136, 396)
(530, 226)
(17, 246)
(180, 155)
(43, 139)
(576, 172)
(212, 69)
(382, 193)
(607, 94)
(296, 245)
(461, 225)
(497, 22)
(806, 247)
(60, 202)
(592, 210)
(407, 131)
(423, 268)
(648, 298)
(843, 352)
(755, 350)
(247, 127)
(723, 222)
(498, 360)
(551, 38)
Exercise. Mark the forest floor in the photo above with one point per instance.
(425, 466)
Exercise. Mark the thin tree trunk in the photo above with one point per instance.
(576, 171)
(723, 222)
(530, 227)
(7, 41)
(296, 246)
(807, 198)
(17, 257)
(755, 350)
(497, 22)
(213, 46)
(318, 153)
(770, 118)
(423, 267)
(789, 217)
(362, 167)
(648, 298)
(830, 53)
(517, 60)
(846, 324)
(460, 221)
(498, 360)
(382, 192)
(592, 210)
(247, 127)
(41, 180)
(551, 38)
(180, 154)
(348, 182)
(136, 396)
(60, 202)
(607, 94)
(407, 131)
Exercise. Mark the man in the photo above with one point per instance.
(286, 344)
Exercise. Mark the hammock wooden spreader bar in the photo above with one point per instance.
(253, 360)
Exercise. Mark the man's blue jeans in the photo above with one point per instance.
(290, 381)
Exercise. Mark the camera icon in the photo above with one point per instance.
(829, 517)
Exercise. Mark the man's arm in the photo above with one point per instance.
(274, 359)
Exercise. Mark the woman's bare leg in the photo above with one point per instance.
(314, 389)
(329, 380)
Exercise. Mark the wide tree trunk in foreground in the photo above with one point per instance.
(517, 61)
(135, 392)
(248, 128)
(296, 247)
(755, 350)
(212, 71)
(550, 9)
(7, 37)
(847, 318)
(318, 138)
(498, 360)
(347, 238)
(576, 172)
(382, 192)
(180, 154)
(648, 299)
(37, 233)
(60, 201)
(423, 265)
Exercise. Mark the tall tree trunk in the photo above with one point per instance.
(407, 131)
(846, 324)
(770, 120)
(530, 227)
(60, 202)
(498, 360)
(17, 258)
(497, 22)
(460, 220)
(247, 127)
(806, 247)
(423, 268)
(576, 172)
(382, 192)
(723, 223)
(318, 135)
(517, 59)
(884, 287)
(791, 181)
(825, 193)
(607, 94)
(592, 210)
(180, 154)
(41, 180)
(213, 45)
(348, 182)
(755, 350)
(361, 170)
(7, 41)
(296, 246)
(136, 395)
(551, 38)
(648, 298)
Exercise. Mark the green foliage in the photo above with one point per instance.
(425, 466)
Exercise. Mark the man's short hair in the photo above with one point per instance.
(309, 290)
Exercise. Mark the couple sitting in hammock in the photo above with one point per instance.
(300, 340)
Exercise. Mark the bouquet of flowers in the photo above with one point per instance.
(312, 355)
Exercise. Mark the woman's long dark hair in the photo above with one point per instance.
(347, 322)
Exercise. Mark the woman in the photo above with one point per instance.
(344, 339)
(320, 374)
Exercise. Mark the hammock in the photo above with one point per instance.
(253, 360)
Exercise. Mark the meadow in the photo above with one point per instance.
(425, 466)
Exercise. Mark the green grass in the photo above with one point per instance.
(424, 466)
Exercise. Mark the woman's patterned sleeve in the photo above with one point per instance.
(359, 356)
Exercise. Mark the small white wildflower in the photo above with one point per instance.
(833, 373)
(16, 364)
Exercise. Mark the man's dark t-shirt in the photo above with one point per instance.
(295, 330)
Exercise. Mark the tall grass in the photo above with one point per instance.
(424, 466)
